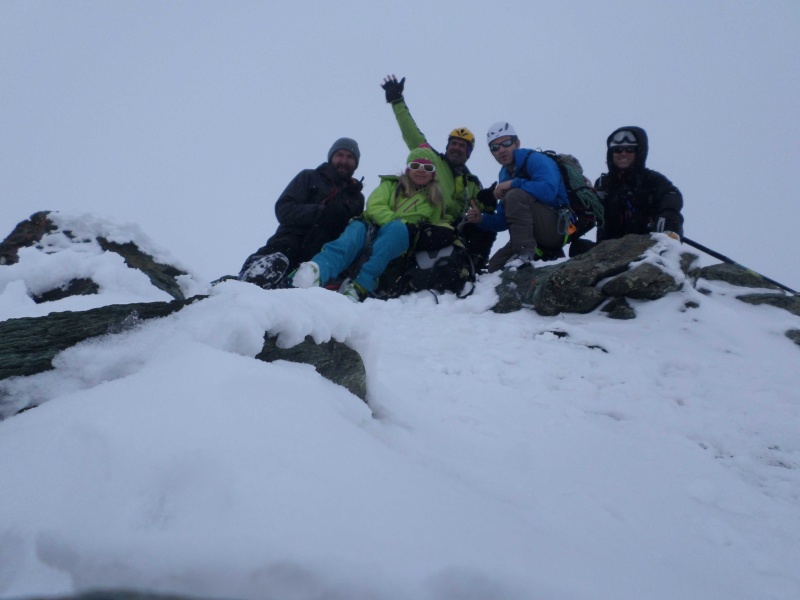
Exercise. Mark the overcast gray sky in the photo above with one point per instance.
(189, 118)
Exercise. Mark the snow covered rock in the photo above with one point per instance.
(734, 275)
(635, 266)
(25, 234)
(333, 360)
(63, 256)
(65, 280)
(28, 345)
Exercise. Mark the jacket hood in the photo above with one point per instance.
(642, 147)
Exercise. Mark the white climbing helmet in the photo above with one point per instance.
(499, 129)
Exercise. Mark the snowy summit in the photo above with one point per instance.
(507, 456)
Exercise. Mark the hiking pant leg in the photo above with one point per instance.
(519, 214)
(479, 242)
(339, 254)
(545, 226)
(500, 258)
(390, 242)
(531, 223)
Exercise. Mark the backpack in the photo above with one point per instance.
(583, 199)
(447, 269)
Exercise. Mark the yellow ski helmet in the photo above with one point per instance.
(464, 134)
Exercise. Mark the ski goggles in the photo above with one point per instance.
(505, 144)
(623, 138)
(621, 149)
(428, 167)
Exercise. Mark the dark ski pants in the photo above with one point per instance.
(530, 224)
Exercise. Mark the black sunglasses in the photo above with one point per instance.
(505, 144)
(621, 149)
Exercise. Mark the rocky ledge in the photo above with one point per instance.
(609, 276)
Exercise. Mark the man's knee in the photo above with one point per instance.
(517, 195)
(517, 201)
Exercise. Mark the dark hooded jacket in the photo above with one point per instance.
(313, 210)
(637, 199)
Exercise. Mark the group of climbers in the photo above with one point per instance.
(325, 231)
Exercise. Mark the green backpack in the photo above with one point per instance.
(583, 200)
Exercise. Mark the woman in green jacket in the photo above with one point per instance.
(397, 207)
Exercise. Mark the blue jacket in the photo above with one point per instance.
(536, 174)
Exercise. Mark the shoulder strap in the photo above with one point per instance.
(522, 170)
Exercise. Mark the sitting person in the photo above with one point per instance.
(533, 204)
(458, 184)
(635, 199)
(401, 208)
(313, 209)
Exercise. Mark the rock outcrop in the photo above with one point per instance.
(333, 360)
(28, 345)
(32, 233)
(25, 234)
(614, 275)
(614, 272)
(583, 283)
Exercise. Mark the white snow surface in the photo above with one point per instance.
(505, 456)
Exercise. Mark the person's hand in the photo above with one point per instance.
(487, 199)
(393, 88)
(501, 189)
(474, 215)
(673, 235)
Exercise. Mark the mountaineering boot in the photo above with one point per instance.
(307, 275)
(522, 259)
(266, 271)
(548, 254)
(353, 291)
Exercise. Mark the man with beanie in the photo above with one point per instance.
(533, 204)
(636, 199)
(313, 209)
(396, 209)
(459, 186)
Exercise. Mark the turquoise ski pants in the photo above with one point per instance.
(390, 242)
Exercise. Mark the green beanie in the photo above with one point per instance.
(423, 155)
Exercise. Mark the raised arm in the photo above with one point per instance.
(412, 136)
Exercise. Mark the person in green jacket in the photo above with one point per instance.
(459, 186)
(401, 208)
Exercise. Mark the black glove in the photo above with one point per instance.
(393, 89)
(486, 197)
(334, 216)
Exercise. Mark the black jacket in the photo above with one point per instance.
(313, 209)
(637, 199)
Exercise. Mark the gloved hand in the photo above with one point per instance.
(487, 199)
(334, 216)
(673, 235)
(393, 88)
